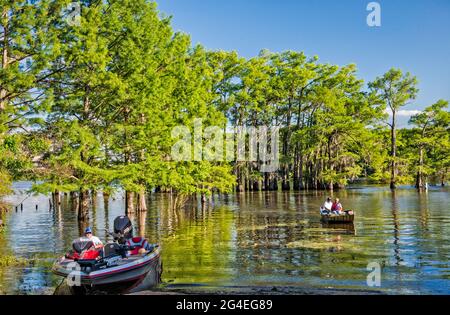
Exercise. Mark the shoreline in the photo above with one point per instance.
(255, 291)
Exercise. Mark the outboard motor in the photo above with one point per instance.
(123, 229)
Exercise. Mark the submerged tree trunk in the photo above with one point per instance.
(286, 185)
(75, 201)
(241, 182)
(129, 202)
(94, 198)
(257, 185)
(204, 200)
(394, 151)
(106, 201)
(56, 199)
(420, 182)
(142, 202)
(83, 209)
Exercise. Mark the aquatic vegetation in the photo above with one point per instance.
(37, 260)
(269, 226)
(310, 231)
(337, 244)
(3, 207)
(13, 261)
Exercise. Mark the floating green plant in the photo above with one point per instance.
(322, 245)
(12, 261)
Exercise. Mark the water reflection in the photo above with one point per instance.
(254, 239)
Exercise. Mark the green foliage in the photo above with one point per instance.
(395, 89)
(429, 143)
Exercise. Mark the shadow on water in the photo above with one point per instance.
(253, 240)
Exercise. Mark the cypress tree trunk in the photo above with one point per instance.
(94, 198)
(129, 202)
(106, 201)
(83, 209)
(241, 183)
(296, 179)
(286, 185)
(56, 199)
(297, 171)
(142, 207)
(266, 182)
(75, 201)
(274, 182)
(330, 185)
(420, 183)
(257, 185)
(394, 151)
(300, 174)
(5, 57)
(142, 220)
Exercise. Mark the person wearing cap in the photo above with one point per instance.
(94, 239)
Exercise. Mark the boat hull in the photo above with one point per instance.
(120, 279)
(338, 219)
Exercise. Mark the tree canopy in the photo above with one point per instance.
(92, 106)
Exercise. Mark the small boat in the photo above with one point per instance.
(119, 267)
(330, 218)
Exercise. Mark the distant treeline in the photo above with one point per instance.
(89, 105)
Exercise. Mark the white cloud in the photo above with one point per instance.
(405, 113)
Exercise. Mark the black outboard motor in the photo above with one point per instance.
(123, 229)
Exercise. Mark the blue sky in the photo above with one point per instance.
(414, 35)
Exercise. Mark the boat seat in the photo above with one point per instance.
(138, 243)
(112, 249)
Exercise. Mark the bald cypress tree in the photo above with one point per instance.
(29, 42)
(395, 90)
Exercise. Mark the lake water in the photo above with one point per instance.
(254, 240)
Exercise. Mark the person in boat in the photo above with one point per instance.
(327, 206)
(94, 239)
(337, 207)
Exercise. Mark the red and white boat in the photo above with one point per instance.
(119, 267)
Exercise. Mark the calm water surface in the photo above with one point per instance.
(254, 240)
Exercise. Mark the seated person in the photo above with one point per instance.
(337, 207)
(327, 206)
(94, 239)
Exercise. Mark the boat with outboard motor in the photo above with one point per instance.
(118, 267)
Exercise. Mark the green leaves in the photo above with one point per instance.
(430, 142)
(395, 89)
(92, 106)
